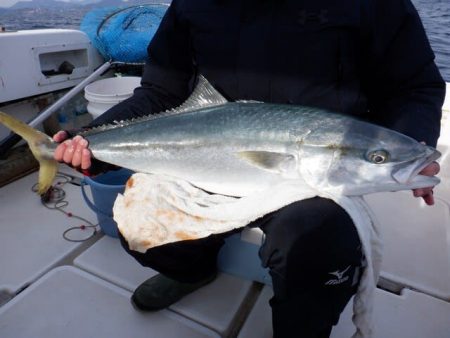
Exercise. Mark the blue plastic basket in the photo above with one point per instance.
(123, 33)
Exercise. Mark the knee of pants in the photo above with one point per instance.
(311, 243)
(186, 261)
(140, 257)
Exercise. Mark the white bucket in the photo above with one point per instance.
(104, 94)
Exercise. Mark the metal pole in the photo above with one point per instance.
(10, 140)
(69, 95)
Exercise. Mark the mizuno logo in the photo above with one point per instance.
(340, 278)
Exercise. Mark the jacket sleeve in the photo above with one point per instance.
(167, 73)
(405, 88)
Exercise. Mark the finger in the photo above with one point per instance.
(85, 159)
(76, 140)
(59, 152)
(426, 194)
(418, 192)
(68, 153)
(431, 169)
(423, 191)
(81, 147)
(429, 198)
(60, 136)
(76, 159)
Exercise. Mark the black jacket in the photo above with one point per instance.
(369, 58)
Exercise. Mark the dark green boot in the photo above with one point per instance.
(159, 292)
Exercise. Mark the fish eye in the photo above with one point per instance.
(378, 156)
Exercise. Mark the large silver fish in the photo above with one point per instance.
(240, 148)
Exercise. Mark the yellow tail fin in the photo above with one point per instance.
(41, 147)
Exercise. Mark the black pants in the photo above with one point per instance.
(314, 255)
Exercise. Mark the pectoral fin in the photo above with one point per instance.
(268, 160)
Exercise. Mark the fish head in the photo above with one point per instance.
(365, 158)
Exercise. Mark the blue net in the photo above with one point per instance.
(123, 34)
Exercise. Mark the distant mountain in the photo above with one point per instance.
(106, 3)
(49, 4)
(53, 4)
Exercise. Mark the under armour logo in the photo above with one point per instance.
(340, 278)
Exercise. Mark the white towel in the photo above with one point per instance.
(155, 210)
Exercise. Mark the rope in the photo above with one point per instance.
(54, 199)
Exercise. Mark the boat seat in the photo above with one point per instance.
(416, 242)
(68, 302)
(31, 241)
(405, 315)
(400, 316)
(108, 260)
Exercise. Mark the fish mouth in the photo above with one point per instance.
(409, 174)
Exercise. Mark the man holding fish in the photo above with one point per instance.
(369, 59)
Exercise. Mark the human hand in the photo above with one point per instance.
(74, 152)
(427, 193)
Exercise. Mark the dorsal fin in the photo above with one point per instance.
(204, 95)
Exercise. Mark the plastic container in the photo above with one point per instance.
(241, 258)
(104, 189)
(106, 93)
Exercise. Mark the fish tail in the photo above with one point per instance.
(41, 145)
